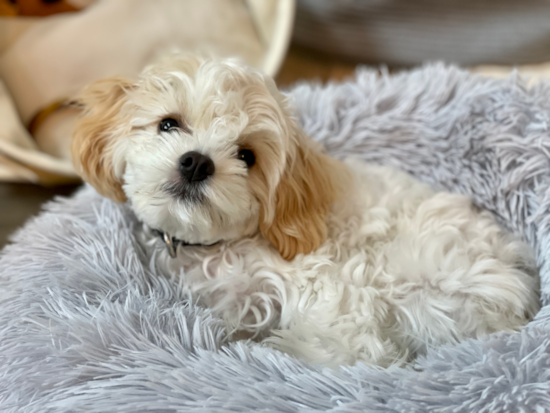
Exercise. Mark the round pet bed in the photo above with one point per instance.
(89, 324)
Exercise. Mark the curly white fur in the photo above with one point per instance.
(385, 269)
(404, 268)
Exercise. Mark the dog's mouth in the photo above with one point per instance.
(192, 193)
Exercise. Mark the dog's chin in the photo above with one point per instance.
(187, 231)
(187, 215)
(196, 230)
(189, 234)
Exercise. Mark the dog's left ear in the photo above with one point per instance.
(97, 131)
(295, 219)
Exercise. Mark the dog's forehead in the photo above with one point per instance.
(207, 76)
(198, 92)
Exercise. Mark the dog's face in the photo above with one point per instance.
(205, 151)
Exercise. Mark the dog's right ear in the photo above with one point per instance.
(96, 132)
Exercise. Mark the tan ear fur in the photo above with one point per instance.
(303, 198)
(95, 133)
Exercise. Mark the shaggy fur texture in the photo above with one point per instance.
(115, 334)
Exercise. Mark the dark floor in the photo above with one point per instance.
(18, 202)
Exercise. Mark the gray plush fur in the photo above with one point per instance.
(89, 324)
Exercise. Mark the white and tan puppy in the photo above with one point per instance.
(334, 262)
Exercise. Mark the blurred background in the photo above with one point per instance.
(50, 49)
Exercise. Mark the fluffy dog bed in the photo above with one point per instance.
(87, 323)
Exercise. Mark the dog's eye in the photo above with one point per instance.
(168, 124)
(247, 156)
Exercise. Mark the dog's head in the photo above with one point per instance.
(206, 151)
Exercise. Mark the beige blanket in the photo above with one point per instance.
(48, 60)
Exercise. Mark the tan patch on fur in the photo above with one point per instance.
(95, 134)
(301, 201)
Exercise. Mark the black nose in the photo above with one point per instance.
(196, 167)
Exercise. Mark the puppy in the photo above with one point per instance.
(334, 262)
